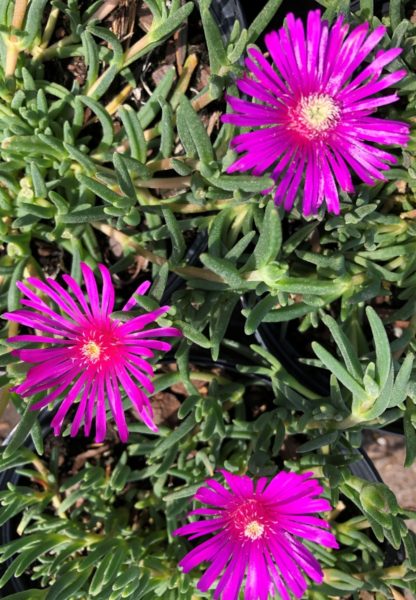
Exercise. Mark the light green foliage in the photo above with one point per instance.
(105, 531)
(126, 157)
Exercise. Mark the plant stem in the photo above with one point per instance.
(164, 183)
(190, 209)
(340, 507)
(166, 164)
(118, 100)
(126, 241)
(12, 328)
(397, 595)
(203, 376)
(56, 500)
(40, 53)
(4, 398)
(202, 101)
(49, 27)
(12, 44)
(395, 572)
(198, 104)
(139, 46)
(104, 10)
(187, 272)
(183, 83)
(410, 214)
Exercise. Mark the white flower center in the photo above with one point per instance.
(91, 350)
(254, 530)
(319, 111)
(314, 115)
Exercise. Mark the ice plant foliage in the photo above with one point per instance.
(311, 119)
(89, 355)
(254, 530)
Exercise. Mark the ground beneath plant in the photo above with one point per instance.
(387, 451)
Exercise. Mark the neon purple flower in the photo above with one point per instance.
(311, 119)
(255, 531)
(93, 354)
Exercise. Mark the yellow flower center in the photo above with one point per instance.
(254, 530)
(91, 350)
(319, 111)
(314, 115)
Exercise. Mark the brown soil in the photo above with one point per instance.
(388, 452)
(8, 420)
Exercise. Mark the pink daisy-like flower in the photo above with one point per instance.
(93, 354)
(255, 530)
(312, 119)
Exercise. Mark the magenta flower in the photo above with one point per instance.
(255, 531)
(93, 354)
(311, 115)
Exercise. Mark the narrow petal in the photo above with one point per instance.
(44, 376)
(37, 321)
(219, 562)
(80, 414)
(90, 408)
(258, 582)
(154, 344)
(39, 339)
(108, 296)
(291, 574)
(76, 290)
(143, 364)
(204, 552)
(144, 381)
(100, 420)
(158, 332)
(58, 419)
(139, 322)
(265, 73)
(239, 485)
(116, 406)
(52, 395)
(256, 90)
(78, 315)
(63, 322)
(92, 289)
(40, 354)
(49, 292)
(138, 398)
(141, 290)
(232, 578)
(276, 577)
(307, 561)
